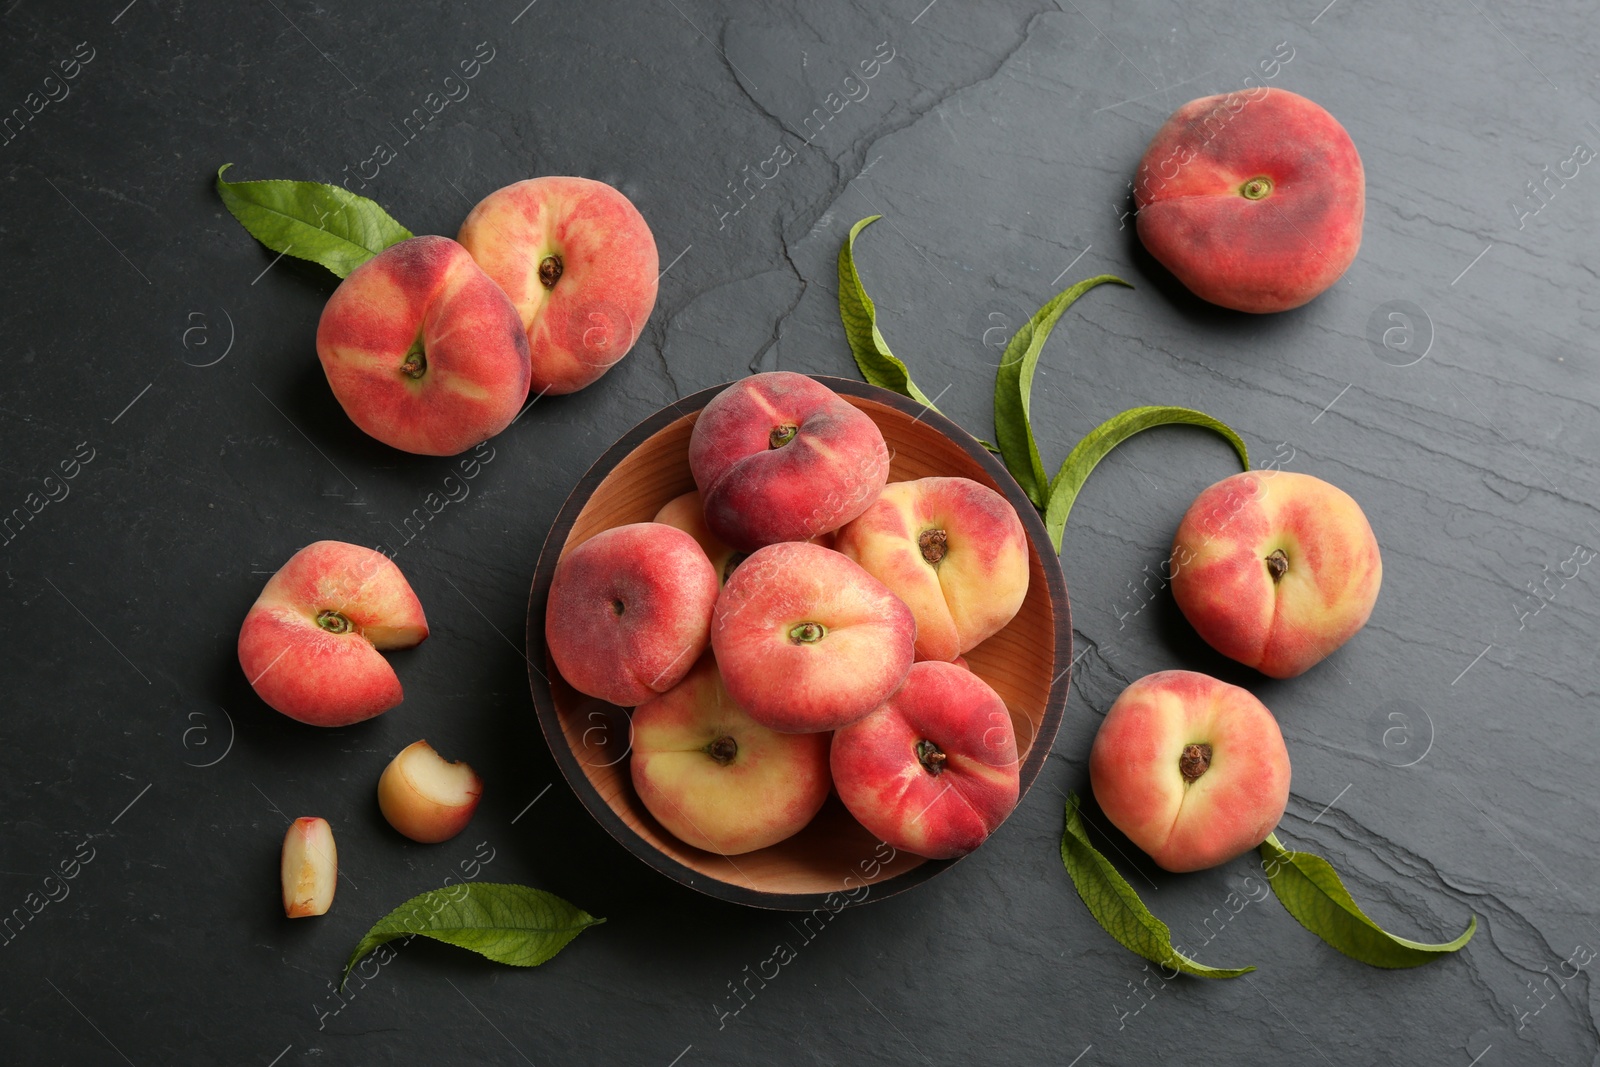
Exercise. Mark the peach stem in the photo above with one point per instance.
(931, 757)
(1277, 565)
(1256, 188)
(808, 633)
(333, 622)
(1194, 762)
(723, 750)
(550, 269)
(416, 361)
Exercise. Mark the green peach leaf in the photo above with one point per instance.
(1108, 435)
(1310, 889)
(325, 224)
(513, 924)
(1118, 909)
(879, 366)
(1013, 390)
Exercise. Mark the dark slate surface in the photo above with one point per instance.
(998, 141)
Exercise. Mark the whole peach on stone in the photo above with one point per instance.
(423, 350)
(578, 262)
(1253, 199)
(1192, 769)
(1275, 569)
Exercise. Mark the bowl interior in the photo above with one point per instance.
(834, 853)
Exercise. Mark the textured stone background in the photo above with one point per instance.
(144, 323)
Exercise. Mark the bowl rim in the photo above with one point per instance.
(567, 760)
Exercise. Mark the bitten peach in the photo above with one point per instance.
(780, 457)
(308, 868)
(423, 350)
(953, 550)
(716, 778)
(1275, 569)
(630, 611)
(310, 643)
(579, 263)
(1192, 769)
(808, 641)
(933, 770)
(1254, 200)
(425, 797)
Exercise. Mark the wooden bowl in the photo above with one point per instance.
(834, 861)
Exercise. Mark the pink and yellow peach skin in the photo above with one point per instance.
(310, 643)
(1136, 769)
(1240, 533)
(938, 802)
(716, 778)
(423, 350)
(1254, 200)
(630, 611)
(580, 266)
(807, 640)
(953, 550)
(780, 457)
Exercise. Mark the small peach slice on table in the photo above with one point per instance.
(426, 797)
(309, 868)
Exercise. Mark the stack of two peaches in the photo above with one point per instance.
(795, 626)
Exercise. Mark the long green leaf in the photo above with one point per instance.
(325, 224)
(1118, 909)
(1311, 890)
(513, 924)
(1013, 390)
(879, 366)
(1108, 435)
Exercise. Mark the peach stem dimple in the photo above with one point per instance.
(333, 622)
(1277, 565)
(808, 633)
(723, 750)
(550, 269)
(416, 361)
(934, 544)
(1194, 762)
(781, 435)
(1256, 188)
(931, 757)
